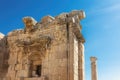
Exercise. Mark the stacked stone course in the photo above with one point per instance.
(52, 49)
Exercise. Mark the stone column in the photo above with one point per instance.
(81, 61)
(93, 68)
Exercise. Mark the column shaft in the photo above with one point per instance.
(93, 68)
(81, 60)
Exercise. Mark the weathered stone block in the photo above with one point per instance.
(49, 48)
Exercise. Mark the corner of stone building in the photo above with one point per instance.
(26, 43)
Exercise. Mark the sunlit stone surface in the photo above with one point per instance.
(52, 49)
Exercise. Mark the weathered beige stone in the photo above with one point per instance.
(81, 61)
(93, 68)
(1, 36)
(51, 49)
(3, 56)
(47, 19)
(29, 23)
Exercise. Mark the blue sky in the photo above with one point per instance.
(100, 27)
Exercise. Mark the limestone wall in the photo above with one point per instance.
(54, 57)
(51, 43)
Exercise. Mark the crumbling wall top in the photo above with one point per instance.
(31, 25)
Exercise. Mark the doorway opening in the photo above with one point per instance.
(35, 66)
(38, 70)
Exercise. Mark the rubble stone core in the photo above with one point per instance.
(52, 49)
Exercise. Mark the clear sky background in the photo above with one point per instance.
(101, 27)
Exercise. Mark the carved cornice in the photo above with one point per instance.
(74, 22)
(77, 32)
(33, 42)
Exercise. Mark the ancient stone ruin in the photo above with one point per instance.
(52, 49)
